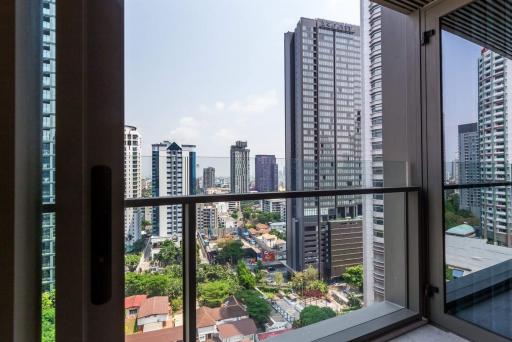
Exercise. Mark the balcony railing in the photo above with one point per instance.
(189, 237)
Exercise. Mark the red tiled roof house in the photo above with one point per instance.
(132, 305)
(153, 313)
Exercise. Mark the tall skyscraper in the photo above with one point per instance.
(132, 183)
(469, 167)
(266, 173)
(323, 147)
(239, 167)
(373, 167)
(173, 174)
(494, 114)
(48, 68)
(208, 177)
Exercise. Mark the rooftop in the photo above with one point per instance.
(154, 306)
(163, 335)
(242, 327)
(461, 230)
(134, 301)
(473, 254)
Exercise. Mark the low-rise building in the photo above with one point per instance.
(153, 314)
(274, 206)
(241, 330)
(174, 334)
(132, 305)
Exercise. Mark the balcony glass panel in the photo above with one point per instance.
(477, 176)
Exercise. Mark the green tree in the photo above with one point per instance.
(278, 279)
(153, 285)
(354, 301)
(448, 273)
(213, 272)
(169, 254)
(313, 314)
(318, 285)
(453, 216)
(234, 215)
(354, 276)
(257, 307)
(131, 261)
(245, 277)
(298, 282)
(48, 316)
(310, 275)
(279, 234)
(231, 252)
(214, 293)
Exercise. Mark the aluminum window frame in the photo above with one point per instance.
(431, 72)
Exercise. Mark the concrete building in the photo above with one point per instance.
(373, 168)
(48, 115)
(346, 244)
(469, 167)
(274, 206)
(239, 167)
(173, 174)
(494, 99)
(266, 172)
(323, 138)
(207, 219)
(208, 177)
(132, 183)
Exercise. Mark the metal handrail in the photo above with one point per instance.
(189, 230)
(251, 196)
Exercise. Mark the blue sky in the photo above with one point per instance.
(208, 72)
(460, 88)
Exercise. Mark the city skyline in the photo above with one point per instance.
(238, 94)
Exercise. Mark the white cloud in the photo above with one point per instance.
(219, 105)
(251, 104)
(187, 131)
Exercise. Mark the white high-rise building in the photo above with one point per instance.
(494, 115)
(132, 183)
(373, 217)
(173, 174)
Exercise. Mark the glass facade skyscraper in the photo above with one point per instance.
(266, 173)
(323, 137)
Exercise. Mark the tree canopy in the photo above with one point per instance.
(231, 252)
(278, 234)
(48, 316)
(354, 276)
(214, 293)
(169, 254)
(453, 216)
(313, 314)
(257, 307)
(131, 261)
(245, 277)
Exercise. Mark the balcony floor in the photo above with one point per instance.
(429, 333)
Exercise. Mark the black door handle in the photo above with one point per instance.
(101, 234)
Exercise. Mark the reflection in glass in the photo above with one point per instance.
(477, 215)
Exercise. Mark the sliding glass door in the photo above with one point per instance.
(468, 92)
